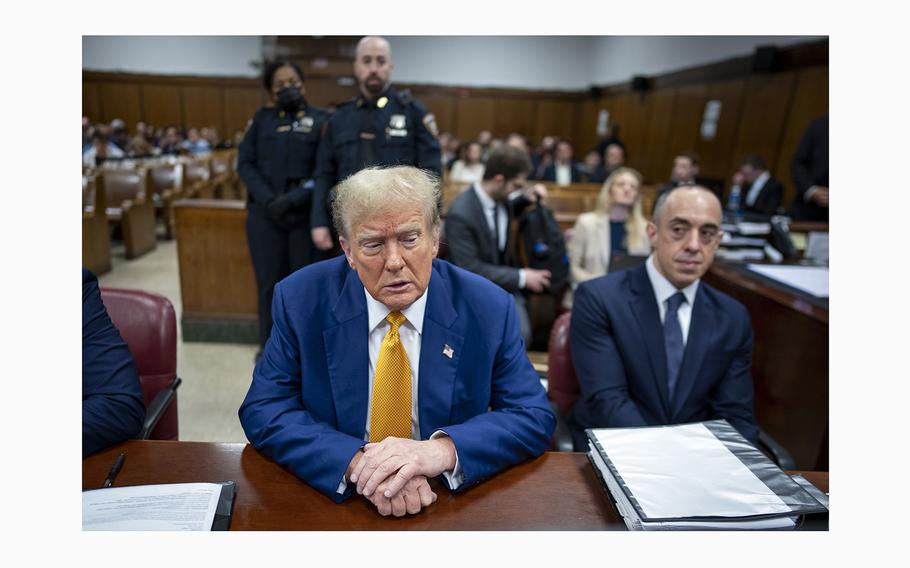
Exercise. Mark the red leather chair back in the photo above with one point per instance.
(149, 326)
(562, 384)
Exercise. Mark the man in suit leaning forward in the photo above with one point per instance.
(656, 345)
(387, 367)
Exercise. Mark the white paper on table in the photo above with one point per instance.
(170, 507)
(811, 279)
(685, 471)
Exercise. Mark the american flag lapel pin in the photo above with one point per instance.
(448, 351)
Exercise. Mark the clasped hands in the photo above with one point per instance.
(393, 474)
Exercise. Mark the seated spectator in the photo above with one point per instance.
(612, 138)
(469, 169)
(485, 139)
(195, 144)
(450, 152)
(614, 158)
(100, 150)
(139, 147)
(516, 140)
(170, 141)
(112, 407)
(758, 192)
(591, 169)
(654, 344)
(119, 136)
(563, 170)
(542, 157)
(685, 168)
(617, 224)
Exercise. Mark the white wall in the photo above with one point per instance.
(616, 59)
(552, 63)
(173, 55)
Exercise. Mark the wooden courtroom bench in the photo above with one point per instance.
(197, 178)
(217, 283)
(129, 207)
(224, 175)
(96, 239)
(166, 183)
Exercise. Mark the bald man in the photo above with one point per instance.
(379, 127)
(655, 345)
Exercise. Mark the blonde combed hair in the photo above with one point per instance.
(636, 234)
(379, 190)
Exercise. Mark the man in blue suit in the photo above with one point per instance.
(386, 367)
(656, 345)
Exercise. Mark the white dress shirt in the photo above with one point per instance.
(664, 289)
(756, 188)
(410, 333)
(490, 208)
(563, 174)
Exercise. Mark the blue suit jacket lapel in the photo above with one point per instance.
(348, 357)
(437, 371)
(701, 327)
(647, 314)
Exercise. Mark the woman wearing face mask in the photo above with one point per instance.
(276, 161)
(617, 224)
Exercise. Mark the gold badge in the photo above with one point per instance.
(382, 102)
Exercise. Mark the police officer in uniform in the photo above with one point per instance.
(380, 127)
(276, 162)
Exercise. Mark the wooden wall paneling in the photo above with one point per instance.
(162, 105)
(717, 159)
(655, 159)
(91, 103)
(635, 127)
(767, 100)
(810, 101)
(202, 106)
(686, 121)
(617, 106)
(473, 115)
(514, 114)
(585, 134)
(120, 100)
(554, 118)
(442, 105)
(325, 91)
(239, 106)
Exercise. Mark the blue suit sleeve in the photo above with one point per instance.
(732, 397)
(520, 423)
(277, 422)
(598, 363)
(112, 407)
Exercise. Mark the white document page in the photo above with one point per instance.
(172, 507)
(685, 471)
(811, 279)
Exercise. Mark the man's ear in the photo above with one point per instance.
(652, 234)
(346, 247)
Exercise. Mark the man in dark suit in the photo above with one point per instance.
(112, 407)
(487, 209)
(810, 173)
(386, 367)
(685, 168)
(759, 192)
(656, 345)
(563, 170)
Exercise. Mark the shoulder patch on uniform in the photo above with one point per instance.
(430, 122)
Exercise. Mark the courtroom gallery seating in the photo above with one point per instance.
(166, 183)
(96, 241)
(129, 208)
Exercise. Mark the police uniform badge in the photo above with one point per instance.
(430, 122)
(397, 125)
(304, 124)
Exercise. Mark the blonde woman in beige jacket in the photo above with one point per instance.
(617, 213)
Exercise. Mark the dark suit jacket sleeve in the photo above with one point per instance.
(732, 397)
(598, 362)
(326, 177)
(112, 407)
(247, 169)
(463, 241)
(429, 153)
(801, 165)
(520, 424)
(769, 198)
(278, 423)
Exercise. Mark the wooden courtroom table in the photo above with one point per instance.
(789, 360)
(557, 491)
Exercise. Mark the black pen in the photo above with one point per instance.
(115, 469)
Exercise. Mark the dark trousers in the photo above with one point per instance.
(276, 253)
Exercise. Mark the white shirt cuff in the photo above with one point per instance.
(342, 487)
(521, 278)
(455, 477)
(807, 197)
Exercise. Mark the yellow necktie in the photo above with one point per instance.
(390, 412)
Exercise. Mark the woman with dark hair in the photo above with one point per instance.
(277, 161)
